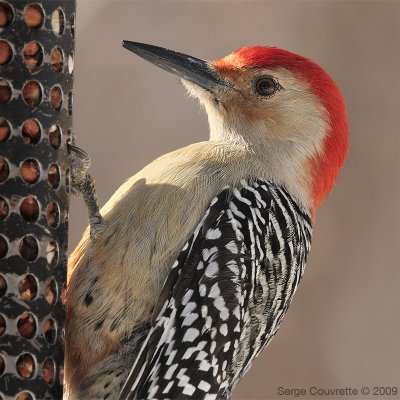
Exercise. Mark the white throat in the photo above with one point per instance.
(282, 156)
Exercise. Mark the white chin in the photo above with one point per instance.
(203, 95)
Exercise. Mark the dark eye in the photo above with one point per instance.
(266, 86)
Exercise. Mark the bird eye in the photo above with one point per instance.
(266, 86)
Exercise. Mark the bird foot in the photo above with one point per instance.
(97, 226)
(80, 163)
(82, 184)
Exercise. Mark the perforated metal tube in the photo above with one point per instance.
(36, 74)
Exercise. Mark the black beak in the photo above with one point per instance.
(189, 68)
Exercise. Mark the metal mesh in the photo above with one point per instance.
(36, 65)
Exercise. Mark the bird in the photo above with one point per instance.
(184, 276)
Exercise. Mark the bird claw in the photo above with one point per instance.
(82, 184)
(80, 163)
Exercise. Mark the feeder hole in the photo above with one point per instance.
(32, 93)
(28, 287)
(25, 366)
(33, 55)
(29, 248)
(30, 171)
(26, 325)
(29, 209)
(31, 131)
(4, 208)
(33, 16)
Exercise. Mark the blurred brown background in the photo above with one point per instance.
(342, 329)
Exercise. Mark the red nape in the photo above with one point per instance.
(326, 166)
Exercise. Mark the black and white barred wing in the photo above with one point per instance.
(217, 306)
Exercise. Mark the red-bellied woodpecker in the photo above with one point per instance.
(190, 273)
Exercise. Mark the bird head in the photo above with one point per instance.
(282, 107)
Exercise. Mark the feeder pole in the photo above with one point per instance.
(36, 77)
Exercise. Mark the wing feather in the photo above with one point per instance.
(224, 297)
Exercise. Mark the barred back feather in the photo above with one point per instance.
(225, 296)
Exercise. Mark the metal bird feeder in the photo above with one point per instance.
(36, 76)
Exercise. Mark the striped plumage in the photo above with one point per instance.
(225, 296)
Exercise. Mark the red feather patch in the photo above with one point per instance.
(325, 167)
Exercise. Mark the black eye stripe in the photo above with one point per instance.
(266, 86)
